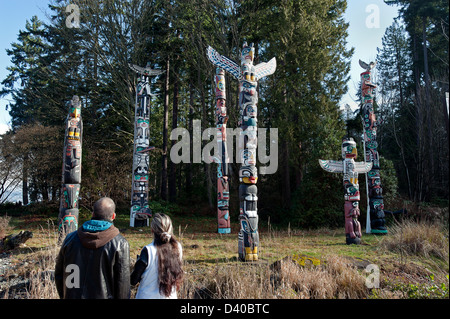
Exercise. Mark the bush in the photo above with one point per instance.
(319, 202)
(389, 181)
(434, 290)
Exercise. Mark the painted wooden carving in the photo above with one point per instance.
(375, 209)
(140, 211)
(350, 169)
(248, 76)
(71, 169)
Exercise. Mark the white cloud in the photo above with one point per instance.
(4, 128)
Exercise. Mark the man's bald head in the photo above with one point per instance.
(104, 209)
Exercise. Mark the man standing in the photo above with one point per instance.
(94, 261)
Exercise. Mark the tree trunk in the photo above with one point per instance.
(191, 115)
(402, 102)
(299, 169)
(165, 129)
(172, 166)
(419, 116)
(44, 192)
(445, 112)
(286, 182)
(207, 167)
(25, 180)
(428, 110)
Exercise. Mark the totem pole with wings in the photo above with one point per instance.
(375, 223)
(248, 76)
(350, 169)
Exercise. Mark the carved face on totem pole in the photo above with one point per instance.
(349, 148)
(247, 53)
(248, 174)
(75, 108)
(349, 154)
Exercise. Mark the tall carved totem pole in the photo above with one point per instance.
(223, 191)
(248, 75)
(71, 169)
(375, 208)
(140, 211)
(350, 169)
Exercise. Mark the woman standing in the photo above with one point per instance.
(159, 267)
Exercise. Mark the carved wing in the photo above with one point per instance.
(332, 166)
(223, 62)
(364, 65)
(146, 71)
(265, 68)
(363, 167)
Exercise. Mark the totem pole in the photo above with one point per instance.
(140, 211)
(248, 75)
(223, 192)
(350, 169)
(71, 169)
(375, 223)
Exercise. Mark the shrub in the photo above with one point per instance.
(318, 203)
(432, 290)
(389, 181)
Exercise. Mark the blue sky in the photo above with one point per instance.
(13, 16)
(365, 38)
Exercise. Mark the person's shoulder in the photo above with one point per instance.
(119, 239)
(70, 237)
(151, 248)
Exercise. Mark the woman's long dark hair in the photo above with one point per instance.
(170, 272)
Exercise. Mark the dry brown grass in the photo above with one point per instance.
(334, 278)
(212, 270)
(35, 269)
(4, 226)
(41, 276)
(230, 280)
(422, 238)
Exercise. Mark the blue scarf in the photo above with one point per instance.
(93, 225)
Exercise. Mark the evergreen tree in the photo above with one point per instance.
(308, 39)
(395, 82)
(26, 78)
(427, 26)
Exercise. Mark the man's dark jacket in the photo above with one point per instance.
(103, 260)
